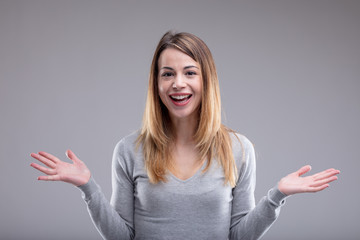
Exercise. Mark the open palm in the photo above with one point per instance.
(75, 173)
(294, 183)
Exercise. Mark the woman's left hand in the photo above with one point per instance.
(294, 183)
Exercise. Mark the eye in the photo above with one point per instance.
(191, 73)
(167, 74)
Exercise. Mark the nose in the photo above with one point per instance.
(179, 82)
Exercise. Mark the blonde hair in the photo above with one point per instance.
(212, 138)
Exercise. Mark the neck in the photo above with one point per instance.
(184, 130)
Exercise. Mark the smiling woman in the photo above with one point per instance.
(180, 84)
(184, 175)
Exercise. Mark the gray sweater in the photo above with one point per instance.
(201, 207)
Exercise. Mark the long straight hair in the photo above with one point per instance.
(212, 138)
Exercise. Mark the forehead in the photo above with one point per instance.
(171, 57)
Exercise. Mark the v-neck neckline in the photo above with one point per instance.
(195, 175)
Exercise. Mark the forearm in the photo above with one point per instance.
(107, 221)
(254, 224)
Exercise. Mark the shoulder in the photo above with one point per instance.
(127, 143)
(241, 145)
(244, 156)
(126, 154)
(240, 138)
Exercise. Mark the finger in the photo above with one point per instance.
(303, 170)
(324, 181)
(43, 169)
(44, 160)
(317, 189)
(323, 172)
(49, 178)
(326, 174)
(72, 156)
(49, 156)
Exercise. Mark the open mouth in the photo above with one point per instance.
(180, 100)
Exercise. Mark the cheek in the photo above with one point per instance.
(162, 92)
(161, 89)
(200, 89)
(199, 86)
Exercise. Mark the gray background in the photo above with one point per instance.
(73, 74)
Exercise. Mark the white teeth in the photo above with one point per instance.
(180, 97)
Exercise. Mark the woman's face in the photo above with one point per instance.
(180, 84)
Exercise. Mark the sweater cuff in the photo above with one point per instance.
(89, 188)
(276, 197)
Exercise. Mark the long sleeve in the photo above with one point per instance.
(113, 220)
(247, 220)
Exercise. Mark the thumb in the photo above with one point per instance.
(72, 156)
(303, 170)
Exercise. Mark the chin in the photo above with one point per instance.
(183, 114)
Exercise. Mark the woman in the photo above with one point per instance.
(184, 175)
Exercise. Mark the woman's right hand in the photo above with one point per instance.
(75, 173)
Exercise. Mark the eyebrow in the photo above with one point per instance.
(187, 67)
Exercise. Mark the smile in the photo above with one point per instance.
(180, 99)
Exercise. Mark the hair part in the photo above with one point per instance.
(212, 138)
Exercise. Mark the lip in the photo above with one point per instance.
(179, 94)
(180, 104)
